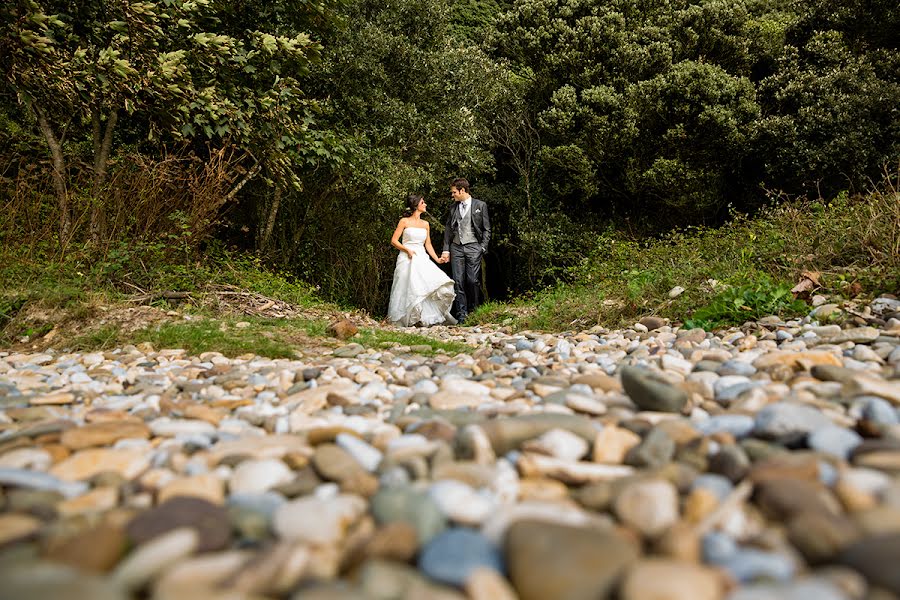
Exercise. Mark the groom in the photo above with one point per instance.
(467, 232)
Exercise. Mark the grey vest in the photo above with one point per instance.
(465, 234)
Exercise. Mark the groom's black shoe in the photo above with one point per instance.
(461, 321)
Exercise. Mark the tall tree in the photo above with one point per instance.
(84, 68)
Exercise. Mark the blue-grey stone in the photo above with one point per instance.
(749, 564)
(426, 386)
(530, 373)
(649, 392)
(655, 450)
(194, 441)
(718, 548)
(807, 589)
(524, 345)
(35, 480)
(878, 410)
(736, 367)
(582, 389)
(828, 473)
(717, 484)
(556, 397)
(8, 389)
(225, 436)
(883, 304)
(267, 396)
(257, 379)
(894, 357)
(728, 394)
(784, 418)
(265, 503)
(445, 371)
(783, 336)
(394, 477)
(739, 426)
(403, 503)
(834, 440)
(710, 366)
(452, 556)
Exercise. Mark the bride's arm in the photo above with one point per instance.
(428, 247)
(395, 240)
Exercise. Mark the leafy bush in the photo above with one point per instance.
(734, 273)
(746, 303)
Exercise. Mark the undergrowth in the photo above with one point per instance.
(730, 274)
(74, 286)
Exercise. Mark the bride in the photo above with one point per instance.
(421, 292)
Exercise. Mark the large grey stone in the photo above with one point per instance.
(651, 393)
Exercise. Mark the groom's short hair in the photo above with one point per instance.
(461, 184)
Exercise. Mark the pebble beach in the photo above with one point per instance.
(650, 462)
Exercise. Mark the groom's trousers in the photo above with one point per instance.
(465, 267)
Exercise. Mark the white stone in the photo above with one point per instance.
(26, 458)
(318, 521)
(461, 502)
(870, 481)
(586, 405)
(194, 576)
(155, 556)
(169, 427)
(494, 529)
(559, 443)
(257, 476)
(682, 366)
(570, 471)
(365, 454)
(649, 506)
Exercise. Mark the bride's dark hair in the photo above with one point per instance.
(412, 203)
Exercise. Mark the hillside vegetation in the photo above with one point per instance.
(744, 270)
(139, 140)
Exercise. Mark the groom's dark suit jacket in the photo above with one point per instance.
(481, 224)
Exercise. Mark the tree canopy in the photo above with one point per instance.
(298, 126)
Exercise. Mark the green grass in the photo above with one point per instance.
(37, 274)
(731, 274)
(104, 338)
(72, 288)
(204, 335)
(380, 338)
(269, 338)
(272, 338)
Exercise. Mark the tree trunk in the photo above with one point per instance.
(59, 173)
(102, 148)
(253, 172)
(270, 220)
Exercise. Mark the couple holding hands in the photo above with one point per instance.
(421, 293)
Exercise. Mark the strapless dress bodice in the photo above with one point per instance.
(414, 235)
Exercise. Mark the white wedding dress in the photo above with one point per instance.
(421, 294)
